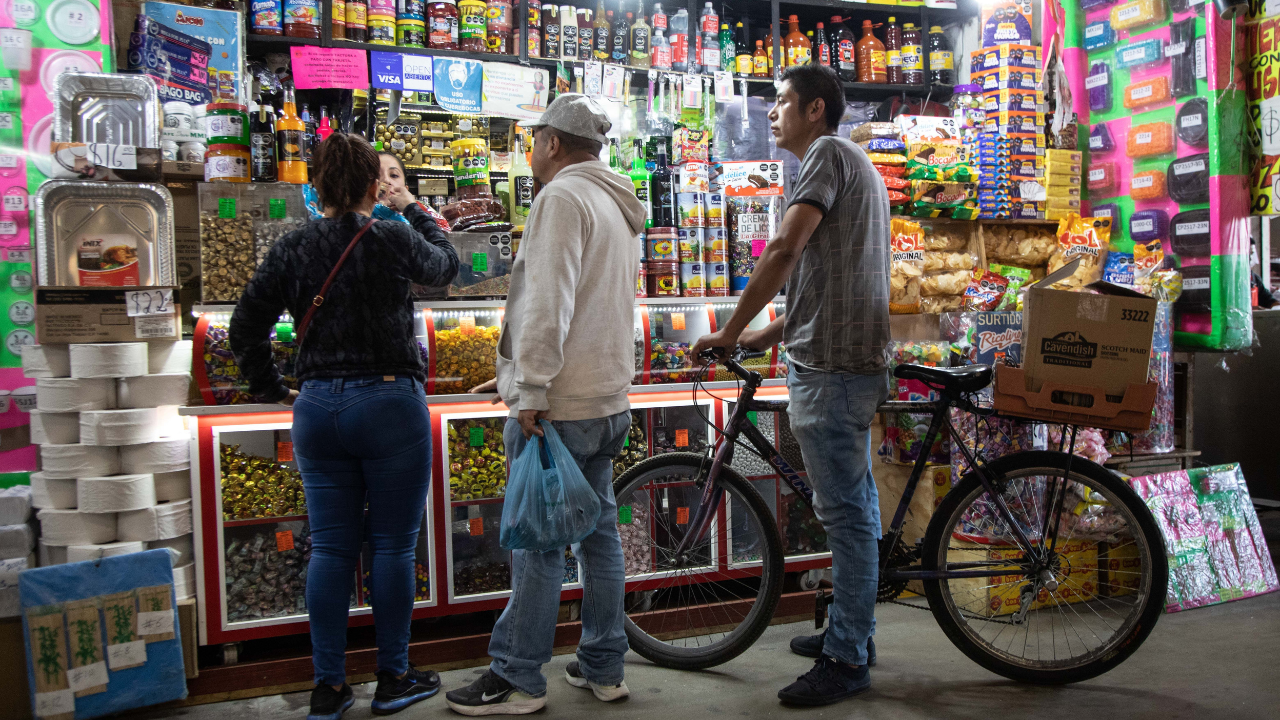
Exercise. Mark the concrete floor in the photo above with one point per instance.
(1216, 662)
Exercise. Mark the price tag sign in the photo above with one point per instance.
(8, 161)
(15, 203)
(753, 417)
(682, 438)
(284, 452)
(477, 437)
(158, 622)
(14, 39)
(624, 514)
(682, 516)
(479, 262)
(21, 255)
(144, 303)
(226, 208)
(467, 322)
(276, 209)
(476, 526)
(284, 540)
(116, 157)
(677, 321)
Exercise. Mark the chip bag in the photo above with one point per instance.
(1084, 238)
(1018, 278)
(906, 266)
(985, 291)
(1147, 258)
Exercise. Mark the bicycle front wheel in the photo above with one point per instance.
(711, 603)
(1068, 590)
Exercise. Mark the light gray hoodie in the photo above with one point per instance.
(567, 343)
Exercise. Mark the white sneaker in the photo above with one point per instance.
(605, 693)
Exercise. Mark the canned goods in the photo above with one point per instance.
(715, 210)
(227, 123)
(382, 31)
(411, 31)
(691, 242)
(690, 207)
(717, 279)
(168, 150)
(693, 279)
(715, 246)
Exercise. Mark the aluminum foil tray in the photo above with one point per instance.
(106, 108)
(104, 234)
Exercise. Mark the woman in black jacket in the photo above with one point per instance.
(361, 430)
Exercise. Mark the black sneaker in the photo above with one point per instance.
(829, 681)
(810, 646)
(604, 693)
(329, 704)
(395, 694)
(492, 695)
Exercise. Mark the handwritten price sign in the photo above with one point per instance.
(143, 303)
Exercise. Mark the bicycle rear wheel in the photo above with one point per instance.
(1085, 609)
(708, 607)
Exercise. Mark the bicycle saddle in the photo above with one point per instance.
(960, 379)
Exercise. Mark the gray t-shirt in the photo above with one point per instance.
(838, 294)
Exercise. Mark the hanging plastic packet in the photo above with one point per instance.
(985, 291)
(883, 145)
(1147, 258)
(1119, 269)
(867, 131)
(906, 263)
(1018, 278)
(1084, 238)
(1100, 139)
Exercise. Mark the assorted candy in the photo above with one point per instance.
(637, 545)
(223, 374)
(477, 459)
(264, 581)
(466, 356)
(255, 487)
(421, 584)
(669, 362)
(473, 579)
(636, 447)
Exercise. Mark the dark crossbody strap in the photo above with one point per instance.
(318, 300)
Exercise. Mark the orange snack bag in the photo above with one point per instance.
(1148, 185)
(1149, 139)
(1147, 92)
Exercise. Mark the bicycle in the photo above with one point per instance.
(1006, 559)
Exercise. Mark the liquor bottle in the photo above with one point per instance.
(618, 50)
(551, 31)
(742, 61)
(568, 32)
(262, 144)
(309, 124)
(641, 36)
(661, 192)
(324, 129)
(291, 143)
(843, 50)
(521, 186)
(728, 53)
(586, 34)
(893, 52)
(760, 61)
(603, 32)
(821, 48)
(641, 179)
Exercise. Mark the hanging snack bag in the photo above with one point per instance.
(1018, 278)
(1084, 238)
(985, 291)
(938, 160)
(906, 246)
(871, 130)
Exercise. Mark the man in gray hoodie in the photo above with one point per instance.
(566, 355)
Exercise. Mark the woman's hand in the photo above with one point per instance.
(399, 198)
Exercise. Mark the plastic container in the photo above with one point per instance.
(1144, 93)
(1189, 179)
(1102, 176)
(872, 67)
(1192, 123)
(442, 25)
(1100, 139)
(472, 25)
(1098, 35)
(1148, 185)
(679, 37)
(1197, 289)
(1108, 210)
(227, 162)
(942, 68)
(1189, 233)
(499, 27)
(662, 245)
(1141, 53)
(912, 54)
(1149, 139)
(382, 31)
(1098, 85)
(892, 51)
(357, 14)
(1148, 225)
(227, 123)
(485, 264)
(411, 31)
(663, 279)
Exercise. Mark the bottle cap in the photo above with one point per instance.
(893, 19)
(866, 24)
(725, 26)
(935, 28)
(793, 18)
(819, 26)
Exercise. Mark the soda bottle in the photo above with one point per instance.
(710, 60)
(727, 51)
(821, 50)
(680, 41)
(912, 55)
(893, 52)
(942, 69)
(641, 178)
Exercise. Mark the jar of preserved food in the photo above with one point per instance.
(382, 31)
(533, 28)
(442, 25)
(411, 31)
(338, 20)
(266, 17)
(357, 21)
(470, 166)
(226, 162)
(472, 25)
(664, 279)
(227, 123)
(302, 18)
(499, 27)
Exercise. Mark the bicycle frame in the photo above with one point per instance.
(740, 426)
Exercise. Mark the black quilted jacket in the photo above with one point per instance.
(365, 326)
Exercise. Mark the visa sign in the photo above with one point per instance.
(394, 71)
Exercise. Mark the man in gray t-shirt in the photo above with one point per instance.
(832, 247)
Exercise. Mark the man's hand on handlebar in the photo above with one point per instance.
(720, 341)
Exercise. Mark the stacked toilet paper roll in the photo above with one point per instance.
(168, 356)
(108, 360)
(181, 547)
(69, 462)
(80, 553)
(73, 395)
(149, 391)
(160, 522)
(132, 426)
(46, 361)
(51, 554)
(158, 457)
(50, 428)
(15, 505)
(116, 493)
(73, 527)
(184, 581)
(56, 493)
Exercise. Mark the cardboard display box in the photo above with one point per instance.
(92, 314)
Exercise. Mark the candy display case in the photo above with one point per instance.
(462, 344)
(670, 330)
(767, 365)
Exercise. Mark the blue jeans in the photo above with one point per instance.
(357, 441)
(523, 637)
(831, 415)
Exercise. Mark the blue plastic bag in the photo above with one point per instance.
(549, 504)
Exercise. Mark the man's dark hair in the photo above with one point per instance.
(815, 81)
(575, 143)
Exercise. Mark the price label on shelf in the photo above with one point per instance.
(476, 526)
(479, 262)
(624, 514)
(8, 161)
(15, 203)
(467, 322)
(143, 303)
(116, 157)
(284, 452)
(284, 540)
(677, 321)
(277, 209)
(226, 208)
(477, 437)
(19, 255)
(682, 438)
(682, 516)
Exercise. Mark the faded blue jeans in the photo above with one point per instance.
(831, 415)
(524, 635)
(362, 440)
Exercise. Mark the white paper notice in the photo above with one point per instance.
(91, 675)
(154, 326)
(592, 77)
(127, 654)
(155, 623)
(58, 702)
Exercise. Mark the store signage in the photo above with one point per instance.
(514, 91)
(394, 71)
(458, 84)
(319, 67)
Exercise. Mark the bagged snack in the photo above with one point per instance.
(932, 195)
(867, 131)
(897, 197)
(1029, 246)
(1084, 238)
(985, 291)
(1147, 258)
(1119, 269)
(938, 160)
(893, 171)
(942, 237)
(880, 158)
(936, 304)
(937, 261)
(896, 183)
(947, 283)
(906, 260)
(1018, 278)
(885, 145)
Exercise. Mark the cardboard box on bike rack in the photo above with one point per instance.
(1084, 357)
